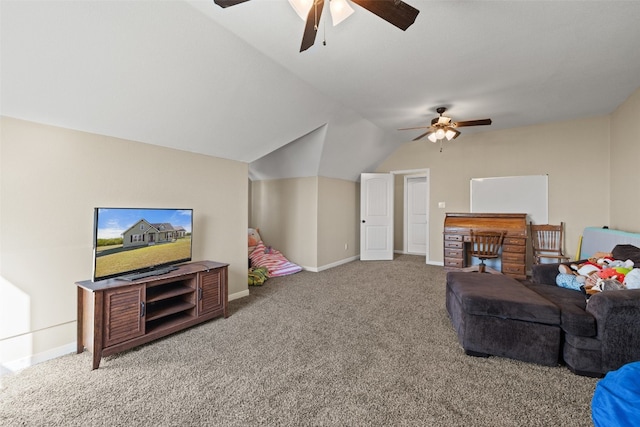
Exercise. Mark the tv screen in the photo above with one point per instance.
(129, 241)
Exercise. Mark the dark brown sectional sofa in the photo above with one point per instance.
(542, 323)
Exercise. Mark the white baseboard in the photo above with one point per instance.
(34, 359)
(25, 362)
(238, 295)
(333, 264)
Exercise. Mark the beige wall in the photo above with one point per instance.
(625, 165)
(286, 212)
(310, 220)
(338, 220)
(52, 178)
(574, 154)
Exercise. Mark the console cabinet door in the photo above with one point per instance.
(210, 294)
(123, 314)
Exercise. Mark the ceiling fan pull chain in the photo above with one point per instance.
(324, 32)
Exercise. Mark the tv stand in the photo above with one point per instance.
(115, 315)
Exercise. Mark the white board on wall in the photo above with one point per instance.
(512, 194)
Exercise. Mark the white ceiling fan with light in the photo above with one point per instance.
(395, 12)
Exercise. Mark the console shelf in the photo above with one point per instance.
(116, 315)
(166, 309)
(154, 294)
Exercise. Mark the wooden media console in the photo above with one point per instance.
(115, 315)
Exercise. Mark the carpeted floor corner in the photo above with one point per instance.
(365, 343)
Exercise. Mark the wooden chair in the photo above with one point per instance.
(485, 245)
(547, 242)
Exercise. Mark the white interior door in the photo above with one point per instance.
(416, 214)
(376, 216)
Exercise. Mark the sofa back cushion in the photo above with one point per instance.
(625, 252)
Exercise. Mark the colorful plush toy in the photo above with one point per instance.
(258, 275)
(567, 278)
(607, 285)
(632, 279)
(253, 238)
(592, 276)
(616, 269)
(586, 268)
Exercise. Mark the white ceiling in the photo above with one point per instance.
(231, 82)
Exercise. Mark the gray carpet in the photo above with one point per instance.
(366, 343)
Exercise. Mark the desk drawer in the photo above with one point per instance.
(513, 258)
(516, 241)
(453, 262)
(513, 268)
(513, 249)
(453, 253)
(454, 237)
(453, 244)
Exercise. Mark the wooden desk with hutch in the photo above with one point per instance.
(115, 315)
(514, 246)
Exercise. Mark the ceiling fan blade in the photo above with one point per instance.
(481, 122)
(423, 135)
(311, 27)
(395, 12)
(419, 127)
(227, 3)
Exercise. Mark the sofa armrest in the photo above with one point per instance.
(617, 316)
(545, 274)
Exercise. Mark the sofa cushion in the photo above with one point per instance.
(625, 252)
(501, 296)
(572, 304)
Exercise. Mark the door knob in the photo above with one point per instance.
(363, 221)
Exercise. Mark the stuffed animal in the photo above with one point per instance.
(567, 278)
(632, 279)
(258, 275)
(611, 273)
(253, 238)
(587, 267)
(616, 269)
(607, 285)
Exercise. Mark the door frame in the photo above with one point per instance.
(405, 213)
(416, 172)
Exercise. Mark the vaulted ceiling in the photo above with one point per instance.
(232, 83)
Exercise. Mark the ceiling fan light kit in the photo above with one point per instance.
(301, 7)
(340, 10)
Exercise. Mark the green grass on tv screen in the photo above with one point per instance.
(117, 261)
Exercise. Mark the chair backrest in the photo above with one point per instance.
(486, 244)
(547, 237)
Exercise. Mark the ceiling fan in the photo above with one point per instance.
(395, 12)
(442, 127)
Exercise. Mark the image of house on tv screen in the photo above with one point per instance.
(129, 240)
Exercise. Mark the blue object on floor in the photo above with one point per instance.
(616, 400)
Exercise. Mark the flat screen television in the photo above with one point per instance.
(130, 243)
